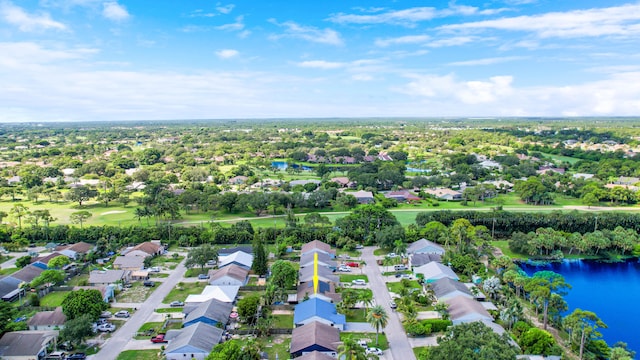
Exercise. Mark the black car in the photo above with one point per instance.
(77, 356)
(65, 346)
(149, 283)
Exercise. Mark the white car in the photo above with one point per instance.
(344, 269)
(108, 327)
(374, 351)
(359, 282)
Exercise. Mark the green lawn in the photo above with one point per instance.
(283, 321)
(180, 292)
(277, 344)
(193, 272)
(8, 271)
(349, 278)
(356, 315)
(54, 299)
(418, 350)
(568, 159)
(380, 252)
(169, 310)
(140, 355)
(383, 344)
(503, 245)
(395, 287)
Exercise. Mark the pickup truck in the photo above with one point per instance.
(158, 339)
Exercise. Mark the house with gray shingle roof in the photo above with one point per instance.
(20, 345)
(193, 342)
(315, 337)
(209, 312)
(447, 288)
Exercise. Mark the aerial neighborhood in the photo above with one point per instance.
(403, 240)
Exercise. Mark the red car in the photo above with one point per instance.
(353, 264)
(158, 339)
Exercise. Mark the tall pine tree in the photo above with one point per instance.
(259, 258)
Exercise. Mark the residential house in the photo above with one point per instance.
(145, 249)
(193, 342)
(324, 274)
(10, 285)
(343, 181)
(315, 355)
(324, 259)
(226, 293)
(434, 271)
(43, 261)
(326, 292)
(444, 194)
(315, 337)
(47, 320)
(545, 170)
(107, 277)
(76, 251)
(446, 288)
(464, 310)
(424, 246)
(26, 345)
(416, 260)
(490, 164)
(363, 197)
(132, 263)
(209, 312)
(627, 181)
(303, 182)
(238, 258)
(583, 176)
(229, 275)
(319, 247)
(317, 310)
(402, 196)
(229, 251)
(238, 180)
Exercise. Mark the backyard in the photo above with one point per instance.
(182, 290)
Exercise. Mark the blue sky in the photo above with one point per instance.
(87, 60)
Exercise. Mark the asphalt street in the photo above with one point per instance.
(119, 339)
(398, 341)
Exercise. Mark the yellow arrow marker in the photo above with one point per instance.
(315, 273)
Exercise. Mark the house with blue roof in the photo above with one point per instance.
(316, 309)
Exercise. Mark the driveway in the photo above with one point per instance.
(121, 338)
(398, 342)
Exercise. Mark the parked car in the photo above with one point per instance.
(363, 343)
(65, 346)
(77, 356)
(56, 355)
(149, 283)
(344, 269)
(122, 314)
(353, 264)
(203, 276)
(374, 351)
(393, 305)
(158, 339)
(399, 267)
(105, 314)
(108, 327)
(359, 282)
(176, 304)
(392, 255)
(359, 246)
(154, 269)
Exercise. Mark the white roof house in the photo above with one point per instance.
(464, 310)
(227, 294)
(434, 271)
(424, 246)
(239, 258)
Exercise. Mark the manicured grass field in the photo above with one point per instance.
(395, 287)
(356, 315)
(180, 292)
(8, 271)
(54, 299)
(349, 278)
(276, 344)
(503, 245)
(169, 310)
(140, 355)
(283, 321)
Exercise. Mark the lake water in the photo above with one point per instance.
(612, 291)
(282, 165)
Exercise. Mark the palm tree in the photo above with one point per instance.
(366, 297)
(378, 318)
(351, 350)
(400, 247)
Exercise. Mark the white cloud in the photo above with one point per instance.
(467, 92)
(27, 54)
(321, 64)
(308, 33)
(409, 17)
(487, 61)
(402, 40)
(227, 53)
(26, 22)
(619, 21)
(452, 41)
(362, 77)
(236, 26)
(225, 9)
(114, 11)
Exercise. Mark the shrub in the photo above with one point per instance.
(416, 329)
(519, 328)
(437, 325)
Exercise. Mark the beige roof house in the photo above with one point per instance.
(47, 320)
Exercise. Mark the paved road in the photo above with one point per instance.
(398, 341)
(120, 339)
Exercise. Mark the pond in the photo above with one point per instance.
(283, 165)
(611, 290)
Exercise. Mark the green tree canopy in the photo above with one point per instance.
(283, 274)
(80, 302)
(78, 329)
(472, 341)
(58, 262)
